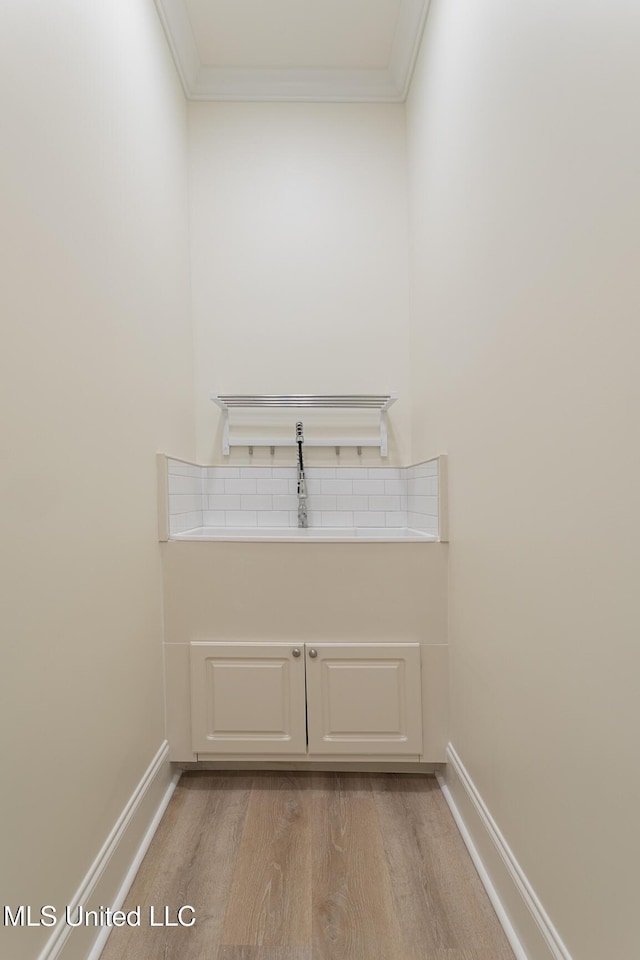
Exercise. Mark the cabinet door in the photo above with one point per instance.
(364, 698)
(247, 698)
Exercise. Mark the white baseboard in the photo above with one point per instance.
(111, 874)
(526, 924)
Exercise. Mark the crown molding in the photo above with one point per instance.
(406, 44)
(201, 82)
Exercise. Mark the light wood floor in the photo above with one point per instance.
(310, 866)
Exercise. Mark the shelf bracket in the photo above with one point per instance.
(383, 433)
(226, 449)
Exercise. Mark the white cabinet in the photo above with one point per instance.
(326, 699)
(364, 698)
(247, 698)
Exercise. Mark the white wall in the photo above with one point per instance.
(300, 259)
(524, 150)
(96, 376)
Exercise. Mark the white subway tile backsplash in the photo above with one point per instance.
(368, 488)
(186, 502)
(341, 487)
(178, 469)
(273, 486)
(417, 521)
(213, 486)
(395, 487)
(334, 519)
(423, 486)
(184, 521)
(261, 502)
(222, 473)
(240, 486)
(283, 473)
(426, 505)
(264, 496)
(181, 484)
(427, 469)
(368, 518)
(385, 473)
(273, 518)
(320, 502)
(398, 519)
(313, 486)
(241, 518)
(176, 524)
(224, 501)
(384, 503)
(352, 503)
(213, 518)
(321, 473)
(287, 502)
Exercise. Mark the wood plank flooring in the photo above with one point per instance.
(310, 866)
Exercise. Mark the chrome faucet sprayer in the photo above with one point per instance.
(302, 488)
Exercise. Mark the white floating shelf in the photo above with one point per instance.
(379, 402)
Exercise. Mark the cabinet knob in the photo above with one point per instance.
(296, 651)
(313, 653)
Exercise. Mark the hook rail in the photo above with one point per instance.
(363, 401)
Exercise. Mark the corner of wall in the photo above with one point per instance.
(527, 926)
(110, 876)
